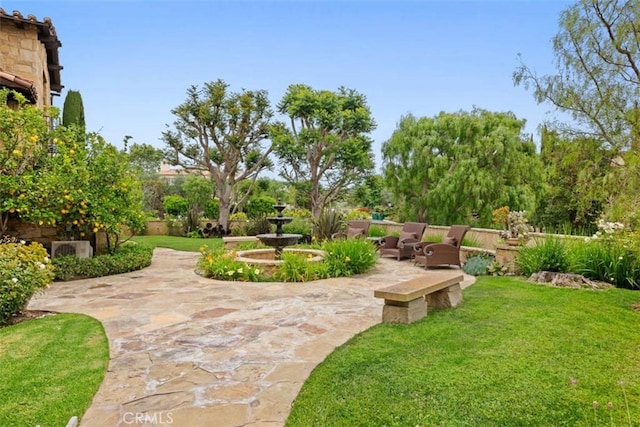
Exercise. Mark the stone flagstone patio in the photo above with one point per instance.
(190, 351)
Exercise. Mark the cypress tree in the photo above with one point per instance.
(73, 110)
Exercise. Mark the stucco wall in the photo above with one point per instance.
(22, 54)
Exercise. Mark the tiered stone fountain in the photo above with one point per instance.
(269, 258)
(279, 240)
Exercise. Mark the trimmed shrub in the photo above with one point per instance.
(129, 256)
(261, 206)
(24, 270)
(175, 205)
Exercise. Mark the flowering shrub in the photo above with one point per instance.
(219, 265)
(24, 270)
(610, 255)
(295, 268)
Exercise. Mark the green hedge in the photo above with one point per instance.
(129, 257)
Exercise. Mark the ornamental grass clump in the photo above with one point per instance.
(549, 254)
(24, 270)
(610, 255)
(346, 257)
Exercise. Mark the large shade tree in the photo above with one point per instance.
(597, 82)
(221, 133)
(326, 145)
(459, 167)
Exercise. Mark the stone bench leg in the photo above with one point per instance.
(448, 297)
(404, 312)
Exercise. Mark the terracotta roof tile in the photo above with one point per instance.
(47, 36)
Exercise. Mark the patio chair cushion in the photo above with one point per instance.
(450, 241)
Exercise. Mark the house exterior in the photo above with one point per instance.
(29, 60)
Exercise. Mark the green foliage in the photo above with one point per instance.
(296, 268)
(357, 214)
(220, 265)
(175, 205)
(258, 225)
(212, 209)
(216, 128)
(477, 265)
(377, 231)
(497, 269)
(549, 254)
(56, 363)
(198, 191)
(22, 152)
(371, 193)
(576, 169)
(607, 260)
(128, 257)
(300, 226)
(597, 83)
(334, 126)
(346, 257)
(260, 206)
(328, 223)
(298, 213)
(455, 167)
(145, 159)
(73, 110)
(24, 270)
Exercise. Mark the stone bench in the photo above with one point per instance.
(407, 302)
(231, 242)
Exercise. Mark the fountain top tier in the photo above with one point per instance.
(279, 220)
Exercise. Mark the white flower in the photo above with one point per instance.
(619, 257)
(46, 260)
(41, 266)
(587, 239)
(14, 280)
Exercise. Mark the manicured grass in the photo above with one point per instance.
(186, 244)
(505, 357)
(50, 368)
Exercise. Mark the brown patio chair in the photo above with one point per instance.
(445, 253)
(402, 246)
(355, 228)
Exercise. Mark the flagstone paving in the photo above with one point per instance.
(190, 351)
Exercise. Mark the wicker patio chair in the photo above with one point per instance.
(445, 253)
(402, 246)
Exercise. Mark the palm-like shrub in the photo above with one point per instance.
(327, 224)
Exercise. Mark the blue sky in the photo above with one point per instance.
(132, 61)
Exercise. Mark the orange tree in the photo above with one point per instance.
(78, 182)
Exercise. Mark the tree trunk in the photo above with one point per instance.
(225, 206)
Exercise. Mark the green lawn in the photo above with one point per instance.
(506, 357)
(179, 243)
(50, 369)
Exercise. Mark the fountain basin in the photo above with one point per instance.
(279, 240)
(265, 259)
